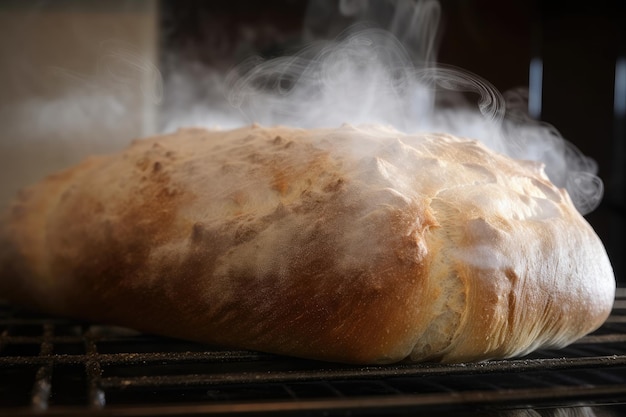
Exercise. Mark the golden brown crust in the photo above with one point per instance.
(353, 244)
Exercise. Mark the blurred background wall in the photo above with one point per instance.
(74, 80)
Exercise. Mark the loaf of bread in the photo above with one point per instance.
(356, 244)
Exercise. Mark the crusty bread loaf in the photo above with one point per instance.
(361, 245)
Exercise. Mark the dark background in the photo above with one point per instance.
(578, 44)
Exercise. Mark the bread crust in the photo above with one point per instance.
(358, 245)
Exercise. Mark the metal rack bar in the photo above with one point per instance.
(43, 379)
(93, 370)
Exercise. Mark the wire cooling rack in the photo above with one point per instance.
(53, 366)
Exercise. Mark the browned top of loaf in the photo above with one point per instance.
(352, 244)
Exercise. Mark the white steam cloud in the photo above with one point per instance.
(367, 75)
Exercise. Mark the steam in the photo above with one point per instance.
(367, 75)
(85, 101)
